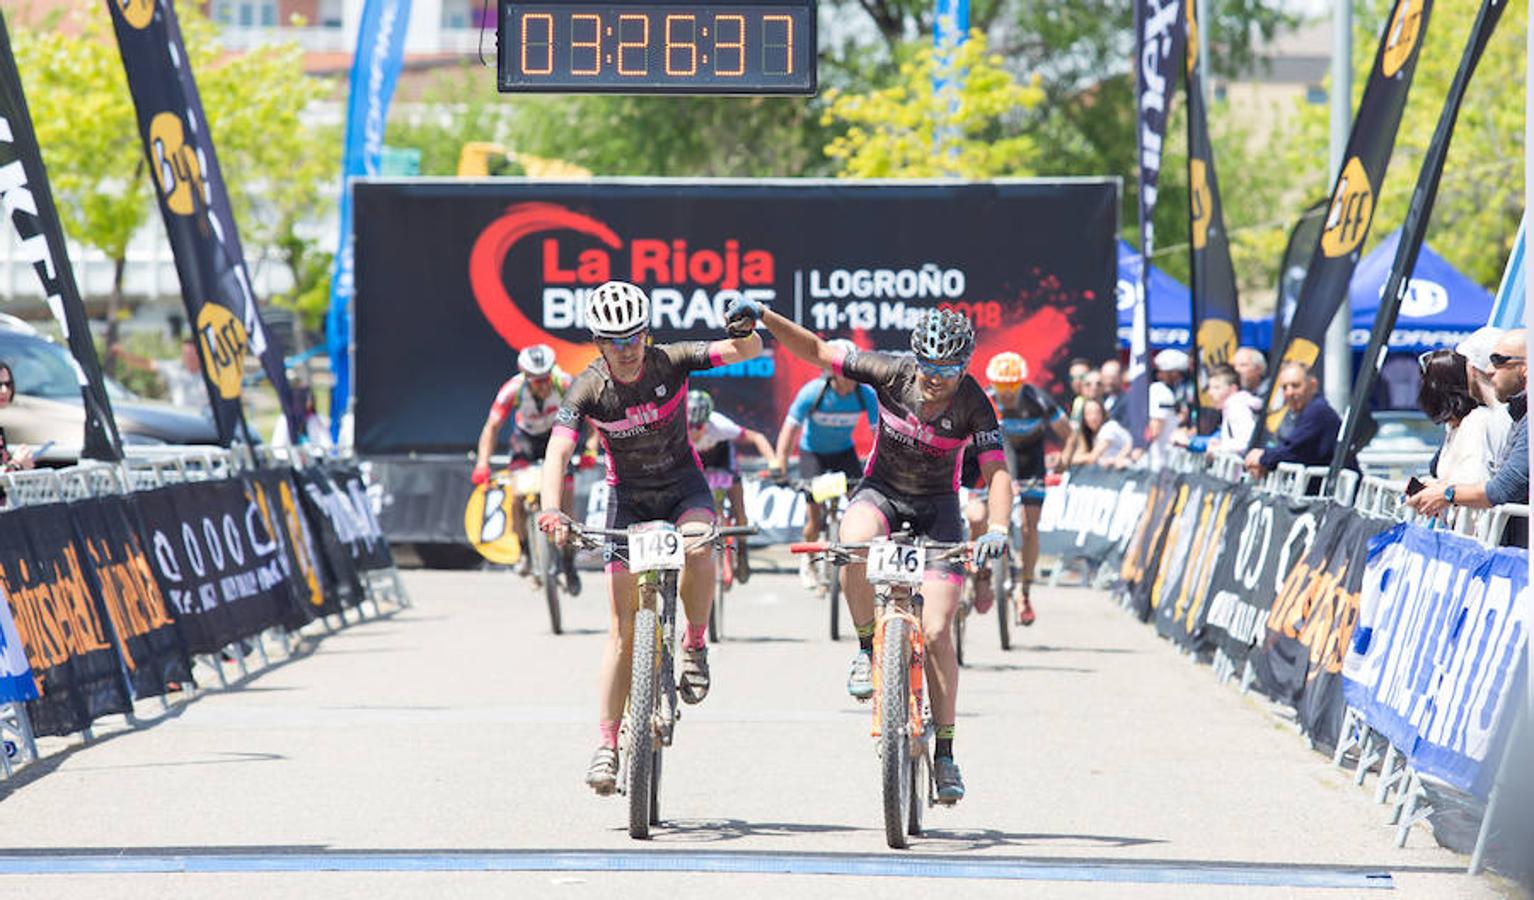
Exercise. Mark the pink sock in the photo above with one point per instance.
(609, 731)
(695, 636)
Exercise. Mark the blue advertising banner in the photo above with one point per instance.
(375, 70)
(16, 682)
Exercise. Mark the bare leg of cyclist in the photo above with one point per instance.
(617, 654)
(1031, 512)
(861, 522)
(940, 594)
(975, 513)
(697, 590)
(814, 520)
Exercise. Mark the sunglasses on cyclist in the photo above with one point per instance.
(1499, 360)
(622, 343)
(938, 370)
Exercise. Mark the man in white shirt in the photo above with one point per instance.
(1238, 411)
(1163, 418)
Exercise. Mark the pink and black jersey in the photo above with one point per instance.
(643, 423)
(913, 456)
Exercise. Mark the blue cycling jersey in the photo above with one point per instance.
(828, 423)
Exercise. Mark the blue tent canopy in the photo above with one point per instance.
(1171, 311)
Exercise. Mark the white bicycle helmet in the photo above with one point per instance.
(943, 334)
(700, 405)
(617, 309)
(536, 361)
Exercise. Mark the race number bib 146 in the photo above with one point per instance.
(655, 546)
(892, 563)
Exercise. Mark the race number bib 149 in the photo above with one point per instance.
(655, 546)
(892, 563)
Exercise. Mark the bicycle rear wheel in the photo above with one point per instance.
(920, 779)
(546, 560)
(894, 739)
(643, 752)
(1005, 607)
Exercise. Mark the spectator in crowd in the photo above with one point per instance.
(1474, 433)
(1112, 379)
(1165, 415)
(183, 378)
(1510, 484)
(1098, 439)
(1251, 367)
(316, 432)
(21, 455)
(1477, 350)
(1091, 389)
(1078, 369)
(1238, 411)
(1309, 432)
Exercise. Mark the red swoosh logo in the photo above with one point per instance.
(488, 258)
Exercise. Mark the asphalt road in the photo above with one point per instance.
(440, 751)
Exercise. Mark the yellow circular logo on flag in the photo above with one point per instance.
(1216, 343)
(1200, 200)
(1300, 351)
(1402, 39)
(176, 169)
(138, 13)
(1192, 38)
(487, 523)
(222, 340)
(1347, 220)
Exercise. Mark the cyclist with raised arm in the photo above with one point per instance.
(635, 395)
(714, 435)
(531, 398)
(1028, 415)
(822, 416)
(929, 411)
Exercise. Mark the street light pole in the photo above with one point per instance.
(1338, 354)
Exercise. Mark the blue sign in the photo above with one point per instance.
(16, 682)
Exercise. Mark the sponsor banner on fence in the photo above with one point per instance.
(1264, 536)
(1138, 571)
(217, 564)
(1183, 601)
(365, 539)
(511, 262)
(1437, 656)
(336, 529)
(1092, 513)
(16, 682)
(151, 649)
(60, 621)
(277, 496)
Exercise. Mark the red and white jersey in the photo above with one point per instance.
(530, 414)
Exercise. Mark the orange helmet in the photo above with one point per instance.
(1007, 369)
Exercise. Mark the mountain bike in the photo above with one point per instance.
(525, 484)
(656, 552)
(828, 490)
(730, 552)
(902, 718)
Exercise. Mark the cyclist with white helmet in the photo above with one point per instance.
(1028, 415)
(929, 411)
(714, 435)
(822, 417)
(635, 395)
(530, 398)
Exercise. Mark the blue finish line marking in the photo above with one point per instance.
(890, 865)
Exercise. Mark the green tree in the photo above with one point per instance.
(459, 106)
(973, 127)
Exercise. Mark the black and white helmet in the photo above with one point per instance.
(943, 334)
(617, 309)
(700, 405)
(536, 361)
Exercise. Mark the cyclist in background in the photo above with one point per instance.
(634, 394)
(713, 435)
(929, 411)
(531, 398)
(1028, 415)
(823, 415)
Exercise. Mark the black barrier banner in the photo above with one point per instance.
(1265, 535)
(510, 263)
(59, 616)
(1142, 562)
(1177, 547)
(276, 494)
(1092, 514)
(364, 538)
(1212, 277)
(1413, 232)
(28, 201)
(1182, 604)
(216, 562)
(1351, 210)
(335, 529)
(194, 203)
(152, 652)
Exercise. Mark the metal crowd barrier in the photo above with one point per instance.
(145, 468)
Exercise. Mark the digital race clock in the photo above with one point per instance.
(756, 47)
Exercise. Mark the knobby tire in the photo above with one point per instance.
(643, 686)
(894, 737)
(546, 560)
(1005, 607)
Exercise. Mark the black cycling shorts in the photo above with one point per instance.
(935, 516)
(846, 461)
(720, 456)
(529, 447)
(627, 506)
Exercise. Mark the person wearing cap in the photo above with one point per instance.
(1477, 350)
(1164, 416)
(1309, 432)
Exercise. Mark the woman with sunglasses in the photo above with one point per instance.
(929, 411)
(1474, 433)
(19, 456)
(635, 395)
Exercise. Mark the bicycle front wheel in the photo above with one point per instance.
(960, 616)
(834, 591)
(716, 609)
(546, 560)
(1005, 607)
(643, 752)
(894, 727)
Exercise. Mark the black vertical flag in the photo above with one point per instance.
(1292, 268)
(1216, 311)
(1414, 229)
(1159, 33)
(1351, 207)
(215, 285)
(28, 204)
